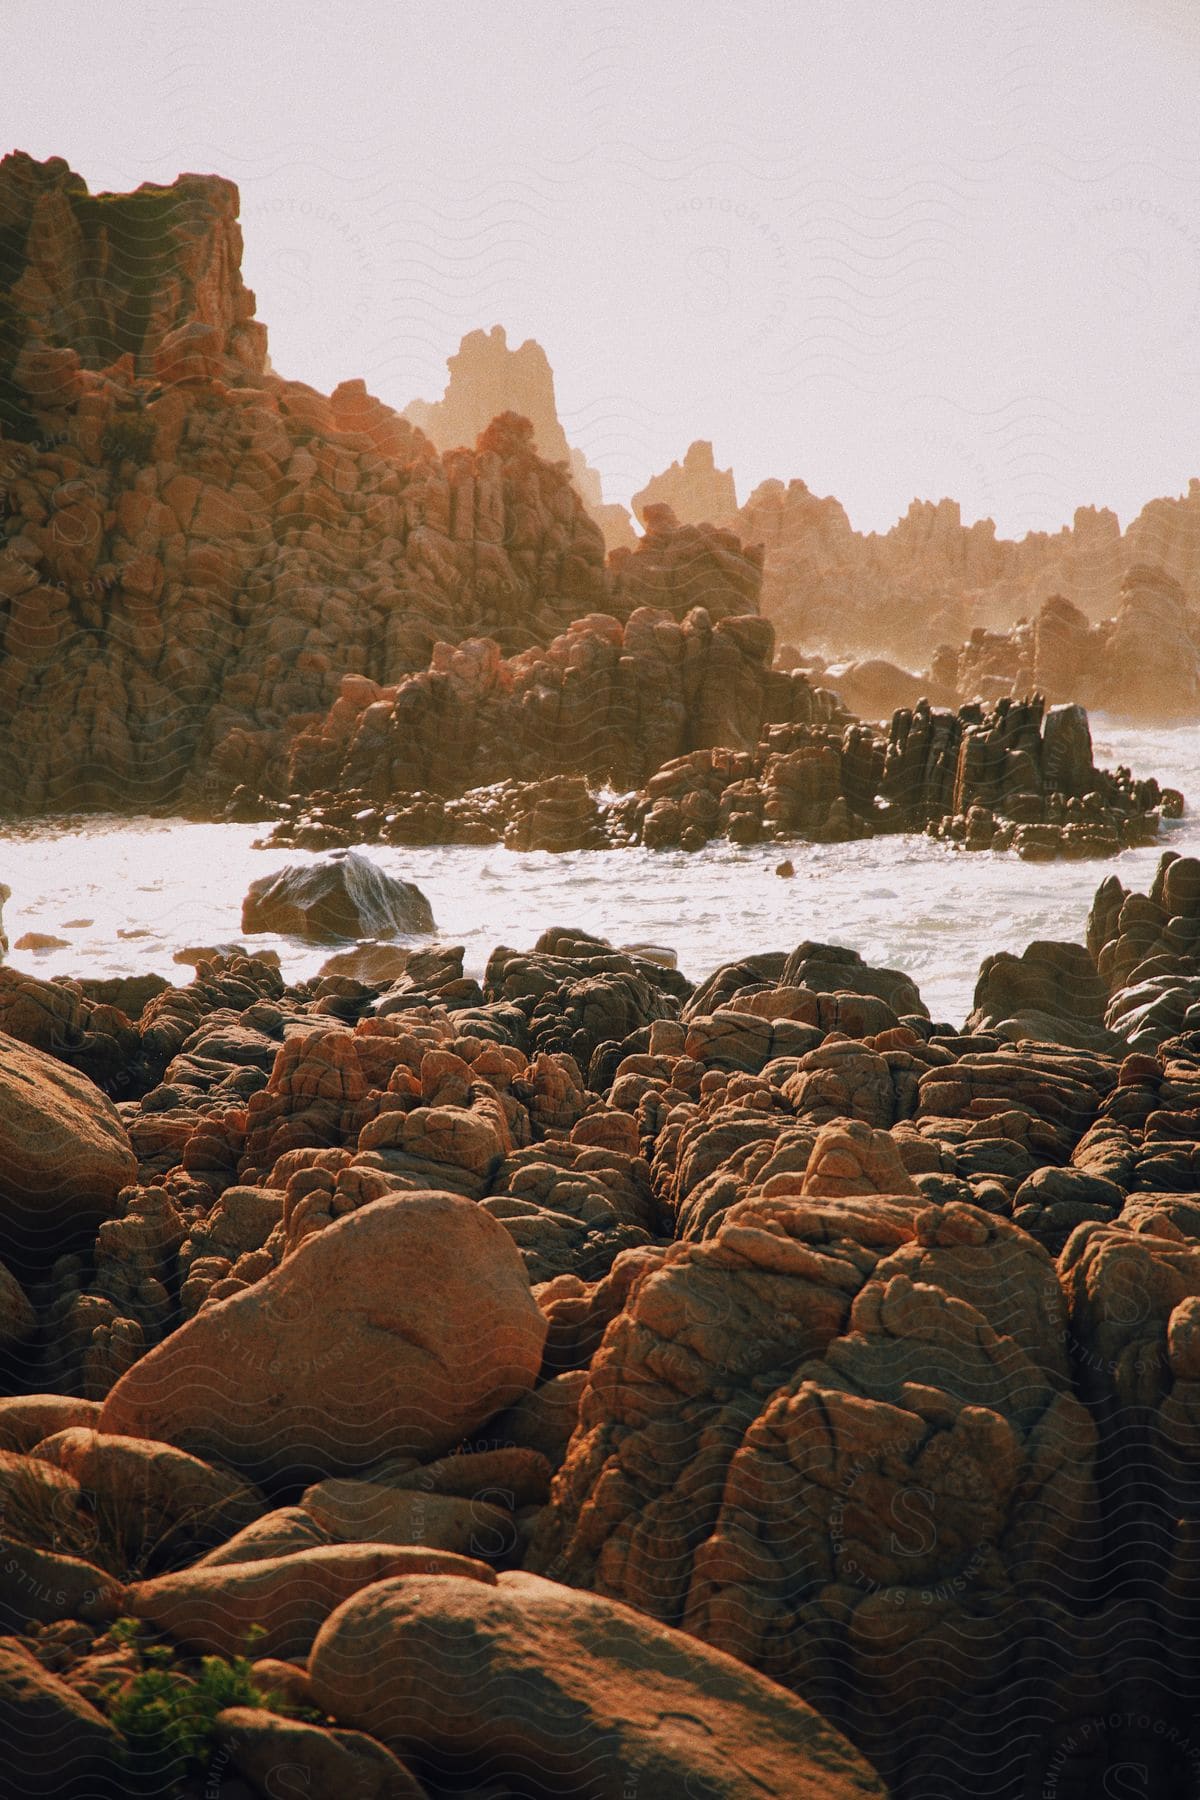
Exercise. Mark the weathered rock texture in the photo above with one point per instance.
(697, 492)
(858, 1348)
(396, 1331)
(487, 378)
(717, 742)
(551, 1692)
(931, 579)
(196, 551)
(1142, 663)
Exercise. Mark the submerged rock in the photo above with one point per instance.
(345, 896)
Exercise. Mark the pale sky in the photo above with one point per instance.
(897, 249)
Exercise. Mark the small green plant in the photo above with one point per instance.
(166, 1711)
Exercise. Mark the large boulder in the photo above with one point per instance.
(64, 1154)
(558, 1692)
(213, 1609)
(767, 1418)
(313, 1760)
(54, 1741)
(1051, 992)
(152, 1503)
(343, 896)
(399, 1328)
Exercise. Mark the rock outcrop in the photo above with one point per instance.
(194, 551)
(847, 1348)
(1143, 663)
(548, 1690)
(64, 1155)
(345, 896)
(331, 1364)
(717, 742)
(488, 378)
(933, 580)
(696, 491)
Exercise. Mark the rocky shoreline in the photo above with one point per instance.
(1014, 777)
(576, 1380)
(837, 1362)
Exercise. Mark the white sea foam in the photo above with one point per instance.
(151, 886)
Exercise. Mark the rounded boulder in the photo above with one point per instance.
(554, 1691)
(64, 1154)
(399, 1329)
(344, 896)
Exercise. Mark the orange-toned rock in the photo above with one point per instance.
(397, 1329)
(538, 1683)
(320, 1760)
(849, 1158)
(214, 1608)
(64, 1153)
(154, 1503)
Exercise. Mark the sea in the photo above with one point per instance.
(126, 894)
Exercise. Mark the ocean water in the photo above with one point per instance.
(125, 894)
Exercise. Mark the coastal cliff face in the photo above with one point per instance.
(932, 579)
(695, 489)
(194, 551)
(487, 378)
(89, 279)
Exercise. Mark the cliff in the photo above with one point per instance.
(194, 551)
(486, 378)
(695, 489)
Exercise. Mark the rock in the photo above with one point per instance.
(382, 963)
(40, 940)
(849, 1158)
(844, 1452)
(1151, 666)
(280, 1533)
(372, 1512)
(831, 969)
(18, 1320)
(26, 1419)
(703, 1446)
(324, 1763)
(544, 1420)
(331, 1362)
(876, 688)
(346, 896)
(51, 1548)
(487, 378)
(54, 1741)
(546, 1688)
(696, 491)
(41, 1586)
(1052, 993)
(64, 1154)
(212, 1609)
(154, 1504)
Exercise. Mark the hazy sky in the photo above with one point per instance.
(896, 247)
